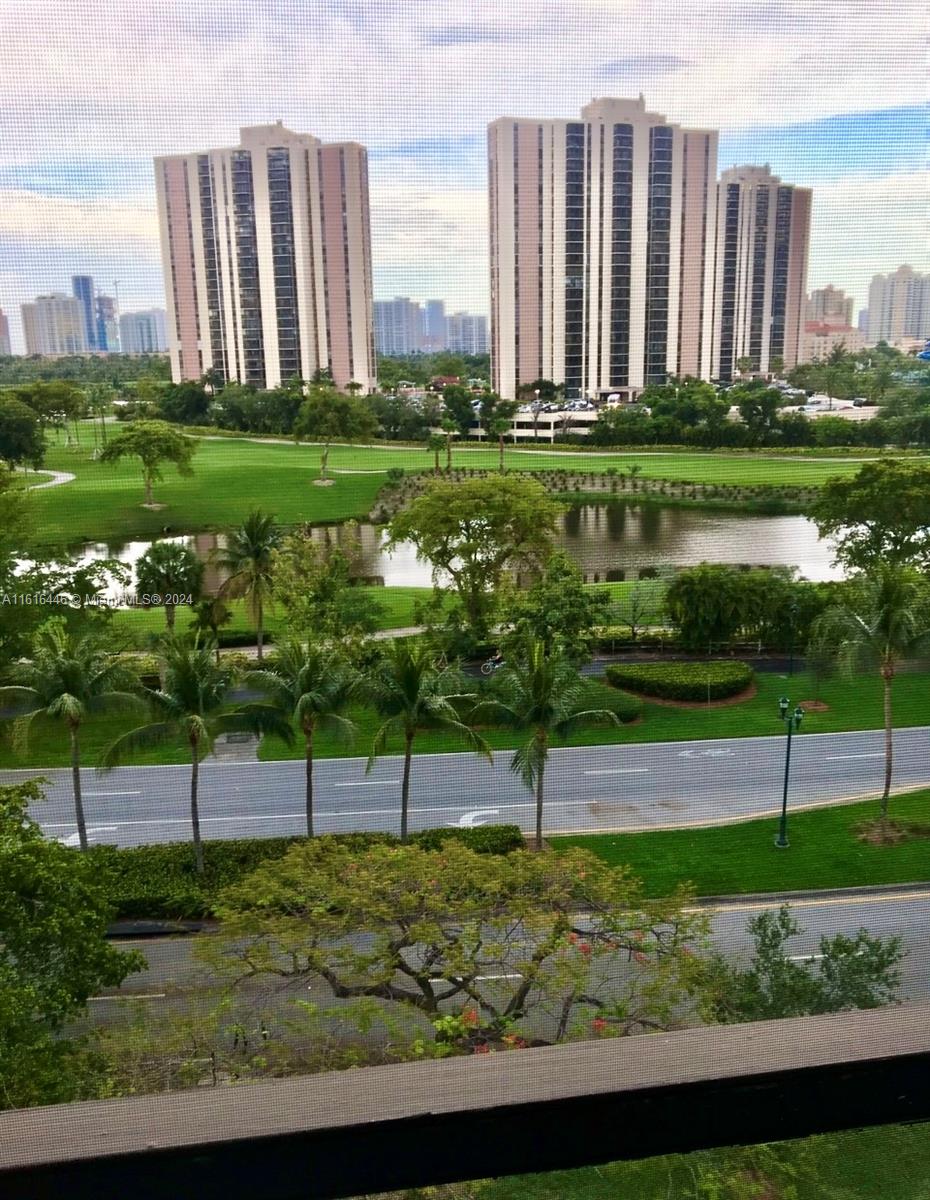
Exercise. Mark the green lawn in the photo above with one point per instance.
(854, 704)
(732, 859)
(104, 502)
(889, 1163)
(133, 626)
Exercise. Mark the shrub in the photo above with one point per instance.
(715, 680)
(160, 882)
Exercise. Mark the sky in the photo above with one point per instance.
(832, 94)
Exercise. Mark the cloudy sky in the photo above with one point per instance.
(831, 93)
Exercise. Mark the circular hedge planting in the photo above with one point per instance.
(715, 680)
(596, 695)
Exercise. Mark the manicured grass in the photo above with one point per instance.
(733, 859)
(889, 1163)
(854, 704)
(135, 626)
(104, 502)
(49, 745)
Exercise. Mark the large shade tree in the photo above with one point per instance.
(21, 437)
(194, 706)
(69, 677)
(248, 559)
(328, 415)
(411, 695)
(311, 686)
(884, 621)
(153, 443)
(471, 532)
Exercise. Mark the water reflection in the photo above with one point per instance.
(614, 540)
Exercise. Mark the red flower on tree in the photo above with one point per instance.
(469, 1016)
(599, 1025)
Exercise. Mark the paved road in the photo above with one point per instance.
(176, 980)
(608, 788)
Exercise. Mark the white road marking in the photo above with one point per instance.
(837, 757)
(804, 957)
(74, 839)
(366, 783)
(483, 978)
(112, 793)
(621, 771)
(473, 819)
(132, 996)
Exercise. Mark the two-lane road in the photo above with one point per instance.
(608, 788)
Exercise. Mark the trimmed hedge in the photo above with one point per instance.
(715, 680)
(159, 882)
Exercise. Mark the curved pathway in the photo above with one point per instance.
(58, 477)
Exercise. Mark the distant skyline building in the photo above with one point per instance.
(863, 322)
(399, 326)
(601, 249)
(899, 306)
(143, 332)
(830, 306)
(466, 333)
(763, 241)
(822, 337)
(434, 325)
(55, 324)
(82, 288)
(266, 253)
(5, 348)
(107, 324)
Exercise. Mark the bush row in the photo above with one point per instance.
(714, 680)
(159, 882)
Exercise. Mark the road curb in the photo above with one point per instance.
(852, 893)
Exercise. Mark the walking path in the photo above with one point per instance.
(58, 477)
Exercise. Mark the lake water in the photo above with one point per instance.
(610, 541)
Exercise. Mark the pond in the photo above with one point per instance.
(616, 540)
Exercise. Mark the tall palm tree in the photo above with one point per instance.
(209, 615)
(885, 622)
(193, 704)
(435, 443)
(248, 559)
(412, 695)
(541, 695)
(500, 427)
(169, 570)
(310, 686)
(69, 678)
(449, 430)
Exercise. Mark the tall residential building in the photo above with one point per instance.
(55, 324)
(467, 333)
(266, 251)
(763, 236)
(434, 325)
(5, 348)
(398, 326)
(143, 332)
(830, 306)
(601, 246)
(107, 324)
(82, 288)
(899, 306)
(863, 322)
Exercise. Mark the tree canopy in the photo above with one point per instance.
(880, 514)
(153, 443)
(474, 530)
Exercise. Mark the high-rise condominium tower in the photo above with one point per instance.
(5, 348)
(143, 332)
(830, 306)
(602, 243)
(763, 234)
(266, 249)
(82, 286)
(899, 306)
(55, 324)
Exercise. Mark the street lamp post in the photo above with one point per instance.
(793, 618)
(792, 721)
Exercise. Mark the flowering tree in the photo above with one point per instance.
(489, 950)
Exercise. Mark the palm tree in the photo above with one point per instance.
(541, 695)
(248, 559)
(69, 678)
(209, 615)
(743, 366)
(192, 704)
(501, 426)
(884, 623)
(168, 570)
(310, 686)
(435, 443)
(449, 429)
(412, 695)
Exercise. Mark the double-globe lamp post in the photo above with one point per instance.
(792, 722)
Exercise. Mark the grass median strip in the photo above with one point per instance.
(724, 860)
